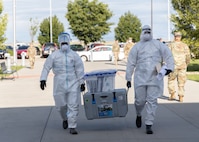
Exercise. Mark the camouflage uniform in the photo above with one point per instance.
(128, 47)
(116, 51)
(31, 52)
(181, 54)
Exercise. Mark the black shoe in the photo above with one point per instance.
(148, 129)
(65, 124)
(139, 121)
(73, 131)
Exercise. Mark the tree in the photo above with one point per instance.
(186, 20)
(57, 28)
(3, 24)
(88, 19)
(128, 26)
(34, 25)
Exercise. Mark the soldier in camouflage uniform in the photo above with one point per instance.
(116, 51)
(181, 54)
(31, 53)
(127, 48)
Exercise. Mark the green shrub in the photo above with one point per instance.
(193, 66)
(10, 52)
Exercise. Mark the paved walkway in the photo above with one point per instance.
(27, 114)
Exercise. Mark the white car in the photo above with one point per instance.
(98, 53)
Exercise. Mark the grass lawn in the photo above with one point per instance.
(13, 68)
(193, 67)
(194, 77)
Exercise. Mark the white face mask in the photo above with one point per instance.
(145, 36)
(64, 47)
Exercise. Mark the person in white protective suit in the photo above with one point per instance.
(68, 71)
(145, 60)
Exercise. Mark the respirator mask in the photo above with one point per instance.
(65, 47)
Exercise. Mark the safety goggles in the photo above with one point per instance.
(64, 43)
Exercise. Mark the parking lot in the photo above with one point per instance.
(27, 114)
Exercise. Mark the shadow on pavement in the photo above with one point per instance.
(174, 122)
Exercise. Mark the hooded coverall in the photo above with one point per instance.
(142, 61)
(68, 72)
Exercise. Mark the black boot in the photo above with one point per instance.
(148, 129)
(65, 124)
(73, 131)
(139, 121)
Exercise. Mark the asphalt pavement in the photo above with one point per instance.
(28, 114)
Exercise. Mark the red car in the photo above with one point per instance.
(21, 49)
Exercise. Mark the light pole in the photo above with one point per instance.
(169, 38)
(152, 15)
(14, 34)
(51, 21)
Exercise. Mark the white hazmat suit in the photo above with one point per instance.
(68, 71)
(143, 60)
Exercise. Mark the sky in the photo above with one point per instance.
(40, 9)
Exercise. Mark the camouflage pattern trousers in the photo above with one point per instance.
(180, 75)
(32, 62)
(116, 57)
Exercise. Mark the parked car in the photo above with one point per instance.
(2, 53)
(48, 48)
(38, 50)
(20, 44)
(24, 48)
(21, 49)
(94, 45)
(77, 47)
(8, 47)
(98, 53)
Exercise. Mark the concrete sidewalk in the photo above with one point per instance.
(27, 114)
